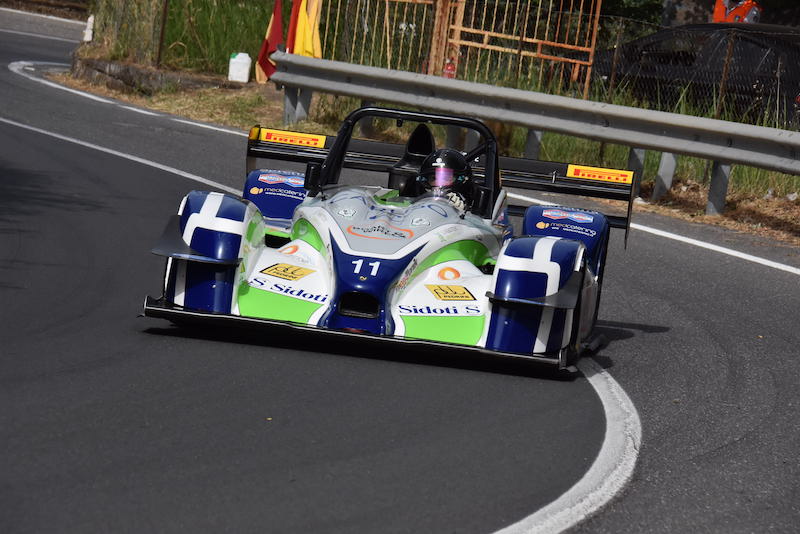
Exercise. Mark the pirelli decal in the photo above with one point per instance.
(292, 138)
(598, 173)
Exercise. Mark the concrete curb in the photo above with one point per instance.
(133, 78)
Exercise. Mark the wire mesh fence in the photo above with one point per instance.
(504, 42)
(736, 72)
(393, 34)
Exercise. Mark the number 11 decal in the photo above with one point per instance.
(359, 263)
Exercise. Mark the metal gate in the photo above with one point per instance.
(519, 43)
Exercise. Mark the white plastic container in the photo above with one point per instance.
(239, 67)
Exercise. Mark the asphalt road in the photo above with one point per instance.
(117, 423)
(110, 422)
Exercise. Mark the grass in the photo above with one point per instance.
(200, 35)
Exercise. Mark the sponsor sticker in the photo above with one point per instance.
(380, 231)
(288, 290)
(272, 179)
(287, 271)
(412, 309)
(407, 274)
(541, 225)
(581, 217)
(600, 174)
(291, 249)
(420, 221)
(292, 138)
(448, 273)
(347, 213)
(277, 192)
(577, 217)
(555, 214)
(442, 292)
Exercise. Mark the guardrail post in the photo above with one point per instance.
(471, 139)
(289, 105)
(666, 170)
(720, 175)
(303, 104)
(367, 125)
(533, 144)
(636, 164)
(454, 138)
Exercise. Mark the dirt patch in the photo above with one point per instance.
(773, 218)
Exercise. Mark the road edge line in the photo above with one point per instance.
(41, 15)
(608, 474)
(687, 240)
(123, 155)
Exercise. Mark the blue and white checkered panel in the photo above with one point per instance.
(589, 227)
(213, 224)
(532, 267)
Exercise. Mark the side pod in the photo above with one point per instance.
(537, 289)
(203, 244)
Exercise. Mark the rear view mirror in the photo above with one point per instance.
(313, 178)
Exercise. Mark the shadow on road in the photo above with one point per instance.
(368, 348)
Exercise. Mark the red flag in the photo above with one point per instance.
(273, 38)
(293, 26)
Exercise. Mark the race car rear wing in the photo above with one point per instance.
(265, 143)
(520, 173)
(570, 179)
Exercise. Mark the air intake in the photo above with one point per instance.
(358, 304)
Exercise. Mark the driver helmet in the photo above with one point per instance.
(445, 170)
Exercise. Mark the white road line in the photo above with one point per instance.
(142, 111)
(17, 67)
(610, 471)
(51, 17)
(40, 36)
(689, 241)
(211, 127)
(123, 155)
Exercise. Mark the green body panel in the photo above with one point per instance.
(461, 330)
(277, 233)
(251, 230)
(268, 305)
(472, 251)
(305, 231)
(392, 198)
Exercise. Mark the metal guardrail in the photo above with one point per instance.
(670, 133)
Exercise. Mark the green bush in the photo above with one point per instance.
(202, 34)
